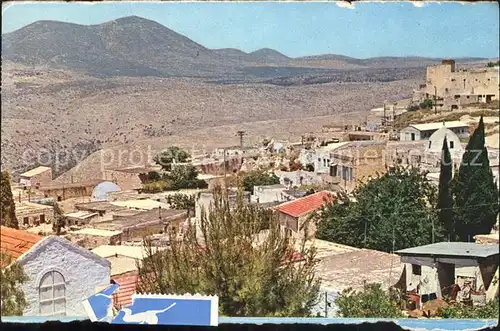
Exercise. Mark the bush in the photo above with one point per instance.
(413, 108)
(490, 310)
(426, 104)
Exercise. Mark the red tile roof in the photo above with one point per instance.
(307, 204)
(128, 286)
(17, 242)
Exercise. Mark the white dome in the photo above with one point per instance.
(100, 192)
(435, 143)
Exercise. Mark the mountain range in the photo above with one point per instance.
(134, 46)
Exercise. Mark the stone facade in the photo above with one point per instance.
(36, 177)
(455, 88)
(67, 191)
(77, 274)
(33, 214)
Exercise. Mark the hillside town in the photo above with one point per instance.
(59, 231)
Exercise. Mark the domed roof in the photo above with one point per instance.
(435, 143)
(100, 192)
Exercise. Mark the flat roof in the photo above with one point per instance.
(145, 204)
(456, 249)
(103, 206)
(96, 232)
(25, 206)
(59, 186)
(81, 214)
(35, 171)
(142, 219)
(134, 252)
(439, 125)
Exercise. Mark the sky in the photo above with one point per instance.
(299, 28)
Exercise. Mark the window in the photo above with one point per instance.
(42, 218)
(416, 269)
(430, 143)
(333, 171)
(26, 221)
(52, 294)
(451, 144)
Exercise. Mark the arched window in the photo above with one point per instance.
(52, 294)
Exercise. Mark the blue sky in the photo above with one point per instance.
(299, 28)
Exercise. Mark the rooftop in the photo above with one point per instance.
(128, 285)
(438, 125)
(102, 206)
(305, 205)
(456, 249)
(352, 268)
(34, 172)
(60, 186)
(17, 242)
(81, 214)
(134, 252)
(26, 206)
(142, 219)
(145, 204)
(96, 232)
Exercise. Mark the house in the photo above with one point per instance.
(144, 223)
(295, 214)
(424, 131)
(140, 204)
(356, 163)
(63, 191)
(31, 214)
(60, 274)
(433, 271)
(90, 237)
(268, 193)
(491, 238)
(36, 177)
(81, 217)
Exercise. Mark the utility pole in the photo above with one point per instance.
(384, 119)
(433, 230)
(241, 134)
(326, 304)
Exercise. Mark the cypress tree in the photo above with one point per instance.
(445, 197)
(475, 192)
(8, 208)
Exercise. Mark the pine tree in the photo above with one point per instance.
(475, 192)
(445, 197)
(8, 208)
(12, 299)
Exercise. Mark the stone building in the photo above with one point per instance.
(127, 178)
(36, 177)
(63, 191)
(454, 88)
(31, 214)
(356, 163)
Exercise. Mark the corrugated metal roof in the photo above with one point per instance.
(459, 249)
(146, 204)
(128, 286)
(438, 125)
(81, 214)
(34, 172)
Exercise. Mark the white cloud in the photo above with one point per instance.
(419, 4)
(345, 4)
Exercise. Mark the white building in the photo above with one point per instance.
(268, 193)
(39, 176)
(424, 131)
(432, 270)
(435, 143)
(60, 274)
(320, 157)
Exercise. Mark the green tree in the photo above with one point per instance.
(474, 190)
(488, 311)
(445, 197)
(225, 254)
(258, 178)
(171, 155)
(185, 177)
(371, 302)
(8, 207)
(426, 104)
(394, 211)
(59, 220)
(12, 277)
(182, 201)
